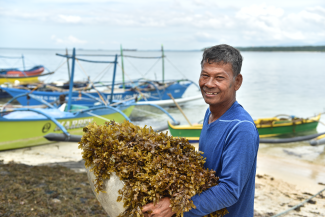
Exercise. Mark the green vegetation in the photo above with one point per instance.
(283, 49)
(292, 48)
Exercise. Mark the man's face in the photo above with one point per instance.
(218, 85)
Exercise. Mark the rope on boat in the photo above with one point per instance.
(10, 57)
(143, 57)
(299, 205)
(103, 72)
(137, 89)
(151, 68)
(112, 55)
(133, 67)
(175, 67)
(100, 95)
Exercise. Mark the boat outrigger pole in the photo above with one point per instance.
(67, 53)
(163, 63)
(113, 81)
(71, 78)
(122, 63)
(24, 68)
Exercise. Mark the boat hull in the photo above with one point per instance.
(26, 133)
(289, 129)
(177, 90)
(192, 133)
(37, 70)
(276, 128)
(22, 80)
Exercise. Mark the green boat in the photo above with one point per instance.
(267, 127)
(25, 127)
(29, 126)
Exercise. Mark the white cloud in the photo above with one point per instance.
(206, 37)
(68, 19)
(70, 40)
(260, 11)
(200, 20)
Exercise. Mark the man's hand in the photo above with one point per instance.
(161, 209)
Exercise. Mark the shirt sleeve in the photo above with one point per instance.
(238, 162)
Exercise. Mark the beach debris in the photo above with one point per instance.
(152, 166)
(311, 201)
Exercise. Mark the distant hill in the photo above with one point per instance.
(291, 48)
(283, 48)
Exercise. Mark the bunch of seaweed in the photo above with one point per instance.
(152, 165)
(45, 191)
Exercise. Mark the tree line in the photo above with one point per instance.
(283, 48)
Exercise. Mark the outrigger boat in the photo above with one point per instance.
(12, 75)
(25, 127)
(147, 95)
(267, 127)
(153, 91)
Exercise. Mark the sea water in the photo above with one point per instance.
(290, 83)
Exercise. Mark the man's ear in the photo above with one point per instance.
(238, 81)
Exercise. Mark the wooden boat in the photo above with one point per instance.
(15, 72)
(267, 127)
(152, 95)
(24, 127)
(276, 126)
(12, 75)
(27, 127)
(192, 133)
(21, 76)
(154, 91)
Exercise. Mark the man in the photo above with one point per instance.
(229, 140)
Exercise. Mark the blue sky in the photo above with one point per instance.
(178, 24)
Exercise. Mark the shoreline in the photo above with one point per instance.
(281, 182)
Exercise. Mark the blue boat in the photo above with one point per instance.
(26, 127)
(149, 90)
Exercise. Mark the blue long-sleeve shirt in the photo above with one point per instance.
(230, 146)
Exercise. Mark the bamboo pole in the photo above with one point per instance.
(66, 52)
(122, 62)
(163, 63)
(179, 109)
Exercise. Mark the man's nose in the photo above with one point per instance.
(210, 83)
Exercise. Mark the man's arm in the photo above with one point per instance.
(238, 162)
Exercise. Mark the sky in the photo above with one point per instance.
(146, 25)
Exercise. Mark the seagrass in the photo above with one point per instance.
(152, 166)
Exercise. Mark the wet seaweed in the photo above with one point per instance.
(152, 165)
(45, 191)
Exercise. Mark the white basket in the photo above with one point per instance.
(108, 199)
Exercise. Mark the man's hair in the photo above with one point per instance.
(223, 54)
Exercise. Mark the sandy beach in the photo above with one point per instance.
(281, 183)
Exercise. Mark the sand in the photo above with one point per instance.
(280, 183)
(280, 186)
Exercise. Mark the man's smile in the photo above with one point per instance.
(210, 93)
